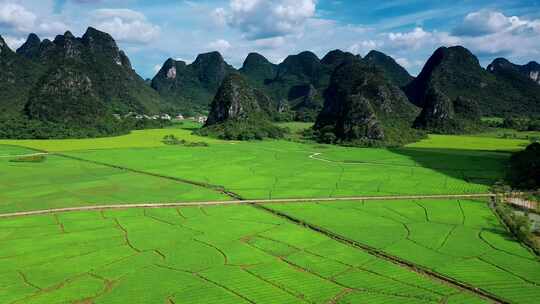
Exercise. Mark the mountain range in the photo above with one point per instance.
(80, 82)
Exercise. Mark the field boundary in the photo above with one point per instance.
(244, 202)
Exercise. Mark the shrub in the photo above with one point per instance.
(38, 158)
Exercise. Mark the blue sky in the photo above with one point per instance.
(409, 30)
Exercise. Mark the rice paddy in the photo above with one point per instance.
(246, 253)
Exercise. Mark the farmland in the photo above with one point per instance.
(458, 239)
(395, 251)
(111, 256)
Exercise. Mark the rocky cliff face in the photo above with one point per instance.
(239, 112)
(362, 105)
(391, 69)
(532, 69)
(235, 100)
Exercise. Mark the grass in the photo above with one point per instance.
(255, 170)
(60, 182)
(29, 159)
(136, 139)
(187, 257)
(479, 143)
(511, 134)
(243, 255)
(281, 169)
(459, 239)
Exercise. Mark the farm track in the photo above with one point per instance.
(243, 202)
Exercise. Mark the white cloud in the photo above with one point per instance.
(404, 62)
(270, 43)
(125, 25)
(365, 46)
(51, 28)
(14, 42)
(260, 19)
(488, 22)
(16, 16)
(157, 67)
(491, 33)
(219, 45)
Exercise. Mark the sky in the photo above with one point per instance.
(408, 30)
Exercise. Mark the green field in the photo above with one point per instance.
(242, 254)
(60, 182)
(139, 139)
(187, 256)
(481, 142)
(458, 239)
(255, 170)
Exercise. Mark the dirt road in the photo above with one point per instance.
(240, 202)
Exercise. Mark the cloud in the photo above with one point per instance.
(365, 46)
(491, 33)
(14, 42)
(219, 45)
(404, 62)
(486, 22)
(261, 19)
(125, 25)
(16, 17)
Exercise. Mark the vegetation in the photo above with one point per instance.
(202, 255)
(62, 182)
(481, 142)
(456, 72)
(363, 108)
(70, 87)
(256, 255)
(521, 124)
(237, 113)
(458, 239)
(391, 69)
(252, 129)
(519, 225)
(172, 140)
(29, 159)
(191, 87)
(524, 171)
(23, 128)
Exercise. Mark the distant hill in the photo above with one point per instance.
(194, 84)
(391, 69)
(17, 76)
(456, 73)
(301, 80)
(258, 70)
(519, 86)
(238, 112)
(363, 107)
(506, 69)
(73, 85)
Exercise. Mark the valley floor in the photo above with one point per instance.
(324, 250)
